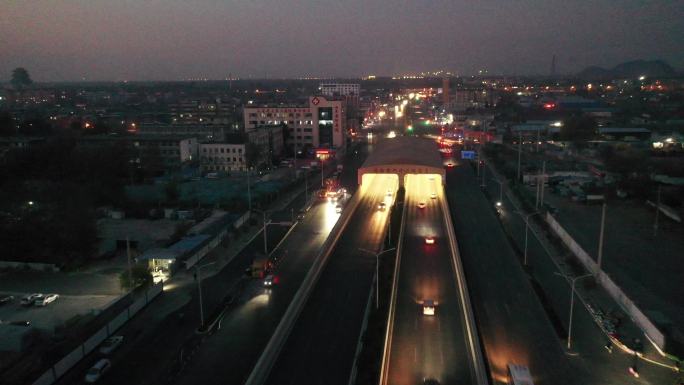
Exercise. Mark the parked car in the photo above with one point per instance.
(46, 299)
(5, 299)
(29, 299)
(97, 370)
(111, 344)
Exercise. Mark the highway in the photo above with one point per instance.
(321, 346)
(422, 346)
(513, 324)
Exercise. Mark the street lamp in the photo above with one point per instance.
(377, 267)
(527, 226)
(572, 301)
(249, 190)
(500, 182)
(198, 276)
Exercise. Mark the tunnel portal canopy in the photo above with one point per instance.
(402, 156)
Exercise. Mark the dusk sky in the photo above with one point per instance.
(172, 40)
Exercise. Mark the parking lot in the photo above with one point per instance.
(79, 294)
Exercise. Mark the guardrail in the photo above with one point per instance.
(263, 367)
(472, 337)
(393, 301)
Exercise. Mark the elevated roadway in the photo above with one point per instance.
(423, 346)
(320, 348)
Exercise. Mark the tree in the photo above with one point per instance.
(139, 273)
(171, 191)
(20, 78)
(252, 154)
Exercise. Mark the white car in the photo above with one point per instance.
(433, 195)
(421, 204)
(111, 344)
(382, 206)
(29, 299)
(268, 281)
(428, 307)
(97, 370)
(46, 299)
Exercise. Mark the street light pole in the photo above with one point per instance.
(655, 224)
(600, 245)
(377, 273)
(519, 152)
(198, 273)
(249, 190)
(527, 226)
(572, 302)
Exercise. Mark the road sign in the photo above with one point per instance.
(468, 155)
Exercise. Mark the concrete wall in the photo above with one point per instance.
(29, 266)
(67, 362)
(608, 284)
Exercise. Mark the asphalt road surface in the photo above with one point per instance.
(424, 346)
(321, 347)
(511, 320)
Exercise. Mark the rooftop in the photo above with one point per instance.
(405, 150)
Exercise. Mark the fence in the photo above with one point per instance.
(70, 360)
(608, 284)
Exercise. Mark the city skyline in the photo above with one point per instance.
(158, 40)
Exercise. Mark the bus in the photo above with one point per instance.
(519, 375)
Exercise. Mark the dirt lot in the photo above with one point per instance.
(647, 267)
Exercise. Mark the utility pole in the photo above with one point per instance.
(265, 236)
(655, 224)
(519, 152)
(600, 245)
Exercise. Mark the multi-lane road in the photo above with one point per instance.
(427, 346)
(321, 346)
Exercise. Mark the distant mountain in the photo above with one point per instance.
(630, 69)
